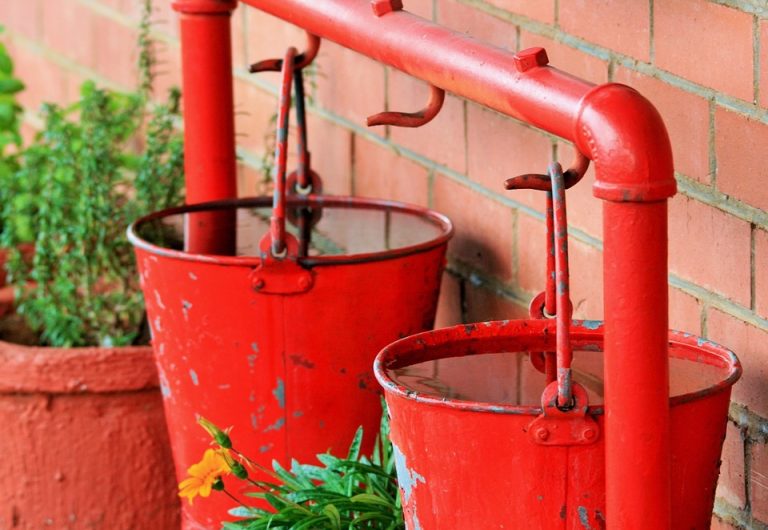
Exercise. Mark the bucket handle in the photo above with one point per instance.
(561, 284)
(278, 237)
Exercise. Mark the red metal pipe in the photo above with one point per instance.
(621, 132)
(209, 128)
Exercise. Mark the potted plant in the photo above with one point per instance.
(87, 446)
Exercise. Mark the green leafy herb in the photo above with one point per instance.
(94, 167)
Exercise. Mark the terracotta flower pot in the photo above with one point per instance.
(84, 442)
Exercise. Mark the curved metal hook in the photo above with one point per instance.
(300, 61)
(535, 181)
(412, 119)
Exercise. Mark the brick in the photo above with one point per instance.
(764, 64)
(68, 29)
(484, 228)
(239, 39)
(568, 59)
(166, 19)
(748, 342)
(130, 8)
(422, 8)
(707, 43)
(730, 485)
(350, 84)
(758, 480)
(761, 272)
(710, 248)
(530, 254)
(719, 524)
(686, 116)
(441, 140)
(331, 149)
(44, 80)
(585, 211)
(380, 172)
(483, 304)
(254, 116)
(167, 72)
(586, 268)
(684, 312)
(499, 147)
(449, 304)
(741, 157)
(476, 24)
(24, 18)
(621, 25)
(543, 10)
(116, 55)
(250, 181)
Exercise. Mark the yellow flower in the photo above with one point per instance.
(203, 475)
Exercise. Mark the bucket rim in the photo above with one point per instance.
(438, 219)
(585, 334)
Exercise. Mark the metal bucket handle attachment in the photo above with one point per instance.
(279, 271)
(564, 419)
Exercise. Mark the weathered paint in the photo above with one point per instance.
(279, 393)
(477, 461)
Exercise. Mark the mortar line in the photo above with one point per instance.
(719, 302)
(352, 164)
(757, 7)
(752, 268)
(756, 46)
(651, 32)
(712, 144)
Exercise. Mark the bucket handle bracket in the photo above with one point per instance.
(559, 427)
(280, 274)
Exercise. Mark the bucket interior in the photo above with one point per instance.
(478, 369)
(346, 227)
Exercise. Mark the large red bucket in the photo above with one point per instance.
(462, 402)
(282, 351)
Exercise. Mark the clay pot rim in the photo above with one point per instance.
(92, 369)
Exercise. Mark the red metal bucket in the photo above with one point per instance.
(462, 401)
(282, 351)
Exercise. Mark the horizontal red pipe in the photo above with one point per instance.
(618, 129)
(447, 59)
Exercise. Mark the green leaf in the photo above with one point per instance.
(10, 85)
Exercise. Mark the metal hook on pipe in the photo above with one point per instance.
(412, 119)
(301, 61)
(535, 181)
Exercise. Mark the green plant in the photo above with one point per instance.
(356, 492)
(10, 137)
(93, 168)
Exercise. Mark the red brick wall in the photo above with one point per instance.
(703, 63)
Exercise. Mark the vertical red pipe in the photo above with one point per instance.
(636, 371)
(209, 129)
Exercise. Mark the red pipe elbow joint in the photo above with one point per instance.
(625, 137)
